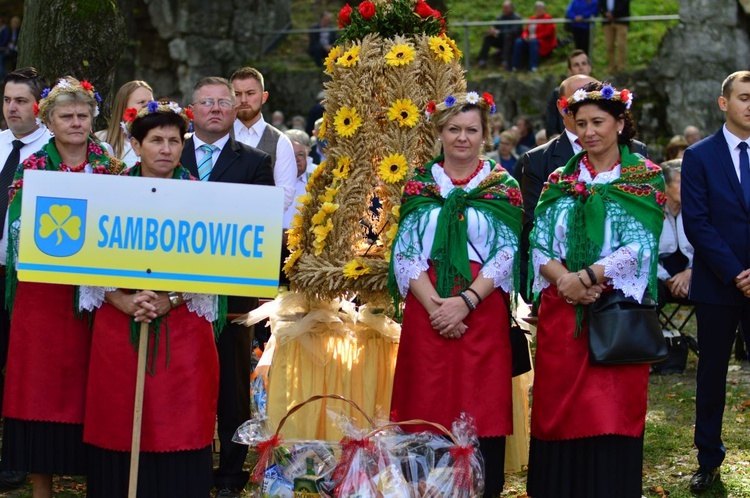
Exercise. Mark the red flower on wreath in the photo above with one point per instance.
(431, 107)
(563, 104)
(488, 99)
(367, 9)
(189, 113)
(345, 16)
(87, 86)
(36, 109)
(624, 94)
(130, 114)
(423, 9)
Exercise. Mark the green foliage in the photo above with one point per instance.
(397, 19)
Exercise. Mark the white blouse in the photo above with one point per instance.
(499, 269)
(620, 261)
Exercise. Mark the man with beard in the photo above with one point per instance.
(251, 129)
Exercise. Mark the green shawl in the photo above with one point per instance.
(637, 194)
(497, 198)
(48, 159)
(180, 173)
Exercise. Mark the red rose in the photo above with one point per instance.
(87, 86)
(436, 14)
(36, 109)
(345, 16)
(130, 114)
(367, 9)
(189, 113)
(488, 99)
(423, 9)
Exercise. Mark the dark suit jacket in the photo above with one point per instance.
(237, 163)
(538, 164)
(716, 219)
(621, 9)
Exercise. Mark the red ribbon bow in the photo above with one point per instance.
(265, 452)
(462, 465)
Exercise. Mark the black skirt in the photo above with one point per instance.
(176, 474)
(43, 448)
(591, 467)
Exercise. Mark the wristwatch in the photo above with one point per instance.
(174, 299)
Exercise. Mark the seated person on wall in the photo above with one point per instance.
(675, 252)
(538, 39)
(501, 36)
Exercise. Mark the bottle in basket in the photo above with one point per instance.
(308, 484)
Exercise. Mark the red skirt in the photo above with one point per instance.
(48, 356)
(436, 379)
(573, 399)
(179, 402)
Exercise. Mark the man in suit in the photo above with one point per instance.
(716, 213)
(615, 33)
(23, 89)
(211, 154)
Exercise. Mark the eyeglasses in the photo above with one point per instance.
(223, 103)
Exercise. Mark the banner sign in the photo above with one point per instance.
(150, 233)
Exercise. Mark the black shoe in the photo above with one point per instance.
(10, 479)
(228, 492)
(703, 478)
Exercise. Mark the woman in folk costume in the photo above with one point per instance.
(454, 264)
(48, 354)
(597, 229)
(182, 383)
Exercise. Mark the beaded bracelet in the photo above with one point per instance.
(476, 294)
(468, 301)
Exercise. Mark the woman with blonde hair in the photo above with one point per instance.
(133, 94)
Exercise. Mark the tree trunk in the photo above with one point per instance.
(81, 38)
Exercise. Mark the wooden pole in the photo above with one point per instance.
(140, 380)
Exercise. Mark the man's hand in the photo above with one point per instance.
(743, 282)
(680, 283)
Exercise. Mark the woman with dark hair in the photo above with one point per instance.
(48, 353)
(181, 387)
(454, 265)
(597, 228)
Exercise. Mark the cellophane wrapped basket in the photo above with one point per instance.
(382, 462)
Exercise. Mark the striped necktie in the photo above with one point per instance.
(206, 164)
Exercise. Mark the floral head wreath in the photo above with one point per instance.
(608, 92)
(65, 85)
(153, 107)
(486, 103)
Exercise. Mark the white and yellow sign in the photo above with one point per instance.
(148, 233)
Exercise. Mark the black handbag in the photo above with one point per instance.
(623, 331)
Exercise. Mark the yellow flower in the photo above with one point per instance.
(396, 211)
(393, 168)
(329, 195)
(440, 47)
(304, 199)
(341, 170)
(452, 44)
(334, 54)
(392, 231)
(294, 237)
(321, 233)
(329, 207)
(400, 55)
(347, 121)
(323, 128)
(404, 112)
(355, 268)
(319, 217)
(315, 174)
(350, 57)
(291, 260)
(326, 209)
(297, 220)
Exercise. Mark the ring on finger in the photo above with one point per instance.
(569, 301)
(596, 295)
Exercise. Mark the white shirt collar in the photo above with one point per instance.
(219, 144)
(36, 135)
(572, 137)
(257, 128)
(733, 141)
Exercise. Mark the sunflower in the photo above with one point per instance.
(341, 171)
(404, 112)
(291, 260)
(452, 44)
(349, 58)
(393, 168)
(355, 268)
(400, 55)
(347, 121)
(334, 54)
(441, 48)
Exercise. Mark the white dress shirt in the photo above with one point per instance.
(218, 147)
(128, 156)
(285, 169)
(734, 149)
(32, 143)
(572, 137)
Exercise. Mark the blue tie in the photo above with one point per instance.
(745, 172)
(206, 164)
